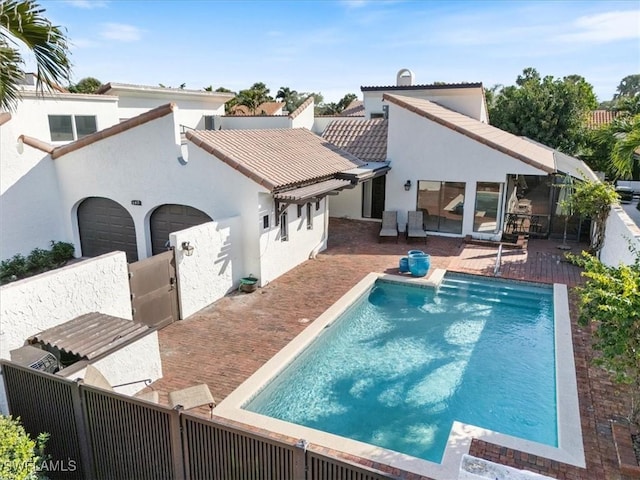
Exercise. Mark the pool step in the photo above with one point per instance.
(493, 292)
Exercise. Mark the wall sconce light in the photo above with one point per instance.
(187, 248)
(407, 185)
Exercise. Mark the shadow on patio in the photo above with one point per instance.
(226, 342)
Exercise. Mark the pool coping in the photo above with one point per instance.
(570, 448)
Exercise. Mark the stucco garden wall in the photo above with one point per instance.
(259, 122)
(138, 360)
(34, 304)
(215, 266)
(420, 149)
(620, 233)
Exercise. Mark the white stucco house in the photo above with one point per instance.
(467, 177)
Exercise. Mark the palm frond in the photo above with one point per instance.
(23, 21)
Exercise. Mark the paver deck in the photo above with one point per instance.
(226, 342)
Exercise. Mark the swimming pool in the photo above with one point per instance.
(405, 362)
(389, 366)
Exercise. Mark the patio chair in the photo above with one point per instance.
(415, 226)
(192, 397)
(389, 225)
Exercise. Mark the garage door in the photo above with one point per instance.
(106, 226)
(171, 218)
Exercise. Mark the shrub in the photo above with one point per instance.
(610, 299)
(38, 261)
(20, 456)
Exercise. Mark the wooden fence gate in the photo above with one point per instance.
(154, 290)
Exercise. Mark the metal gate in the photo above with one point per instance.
(154, 290)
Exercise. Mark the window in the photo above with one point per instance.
(265, 222)
(66, 128)
(318, 205)
(309, 217)
(487, 203)
(85, 125)
(442, 204)
(299, 211)
(60, 128)
(284, 227)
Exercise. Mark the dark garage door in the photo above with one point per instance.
(106, 226)
(171, 218)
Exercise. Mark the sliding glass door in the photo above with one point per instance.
(442, 204)
(485, 218)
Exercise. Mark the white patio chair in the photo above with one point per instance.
(415, 226)
(389, 225)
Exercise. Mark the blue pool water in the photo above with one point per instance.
(398, 367)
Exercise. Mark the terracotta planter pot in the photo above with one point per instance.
(624, 449)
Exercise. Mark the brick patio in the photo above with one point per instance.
(225, 343)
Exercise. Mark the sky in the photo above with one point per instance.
(335, 47)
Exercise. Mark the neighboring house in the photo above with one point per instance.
(196, 107)
(120, 192)
(301, 117)
(354, 109)
(600, 118)
(266, 108)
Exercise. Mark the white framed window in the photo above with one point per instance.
(309, 217)
(66, 128)
(284, 227)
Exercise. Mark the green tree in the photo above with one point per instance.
(254, 96)
(23, 25)
(20, 456)
(291, 98)
(549, 110)
(610, 299)
(86, 85)
(629, 86)
(593, 199)
(335, 108)
(614, 148)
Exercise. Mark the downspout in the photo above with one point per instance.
(323, 240)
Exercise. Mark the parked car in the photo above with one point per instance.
(625, 193)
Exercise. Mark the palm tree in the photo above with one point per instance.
(625, 155)
(22, 24)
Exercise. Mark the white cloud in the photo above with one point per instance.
(87, 4)
(604, 27)
(121, 32)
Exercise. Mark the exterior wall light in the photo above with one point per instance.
(187, 248)
(407, 185)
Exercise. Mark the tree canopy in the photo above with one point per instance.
(334, 108)
(549, 110)
(23, 25)
(629, 86)
(85, 85)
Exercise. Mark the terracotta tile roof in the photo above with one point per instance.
(56, 152)
(443, 86)
(366, 139)
(355, 109)
(4, 117)
(598, 118)
(277, 158)
(505, 142)
(303, 106)
(266, 108)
